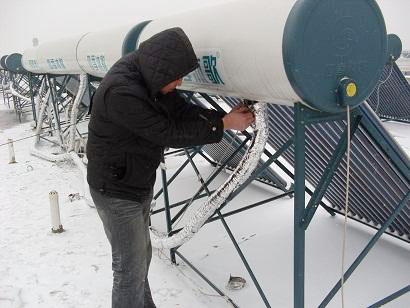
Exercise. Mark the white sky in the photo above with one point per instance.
(21, 20)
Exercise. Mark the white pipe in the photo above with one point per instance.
(15, 93)
(77, 160)
(40, 116)
(238, 177)
(48, 156)
(12, 155)
(56, 226)
(74, 111)
(38, 100)
(4, 84)
(33, 150)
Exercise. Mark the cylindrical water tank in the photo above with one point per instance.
(13, 63)
(3, 62)
(404, 62)
(285, 51)
(98, 51)
(56, 57)
(324, 53)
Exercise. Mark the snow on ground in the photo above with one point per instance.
(73, 269)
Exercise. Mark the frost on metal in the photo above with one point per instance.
(238, 177)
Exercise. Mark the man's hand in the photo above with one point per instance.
(239, 118)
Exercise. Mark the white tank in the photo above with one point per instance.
(238, 46)
(283, 51)
(404, 62)
(98, 51)
(318, 52)
(56, 57)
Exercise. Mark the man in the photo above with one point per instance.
(135, 114)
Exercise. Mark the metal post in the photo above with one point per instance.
(56, 115)
(166, 204)
(299, 208)
(33, 107)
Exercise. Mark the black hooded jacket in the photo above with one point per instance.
(131, 121)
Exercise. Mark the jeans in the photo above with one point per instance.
(126, 226)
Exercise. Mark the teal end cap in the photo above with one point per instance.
(132, 37)
(13, 63)
(3, 62)
(394, 47)
(346, 92)
(325, 41)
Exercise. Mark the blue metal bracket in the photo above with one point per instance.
(328, 174)
(389, 298)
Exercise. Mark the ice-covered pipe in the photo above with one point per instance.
(87, 196)
(40, 116)
(15, 93)
(34, 150)
(74, 110)
(238, 177)
(4, 84)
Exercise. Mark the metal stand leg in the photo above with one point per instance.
(299, 208)
(166, 204)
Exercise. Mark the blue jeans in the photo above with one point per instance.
(126, 226)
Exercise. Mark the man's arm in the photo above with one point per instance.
(143, 120)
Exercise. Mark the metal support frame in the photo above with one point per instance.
(53, 91)
(302, 215)
(218, 215)
(33, 106)
(389, 298)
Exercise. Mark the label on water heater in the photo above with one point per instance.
(210, 72)
(56, 64)
(97, 63)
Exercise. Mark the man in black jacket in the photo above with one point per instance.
(135, 114)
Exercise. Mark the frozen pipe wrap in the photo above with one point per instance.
(15, 93)
(238, 177)
(4, 84)
(87, 196)
(74, 110)
(36, 152)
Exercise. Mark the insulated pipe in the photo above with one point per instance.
(87, 196)
(74, 110)
(241, 173)
(15, 93)
(38, 99)
(33, 150)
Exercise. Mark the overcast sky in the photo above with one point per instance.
(21, 20)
